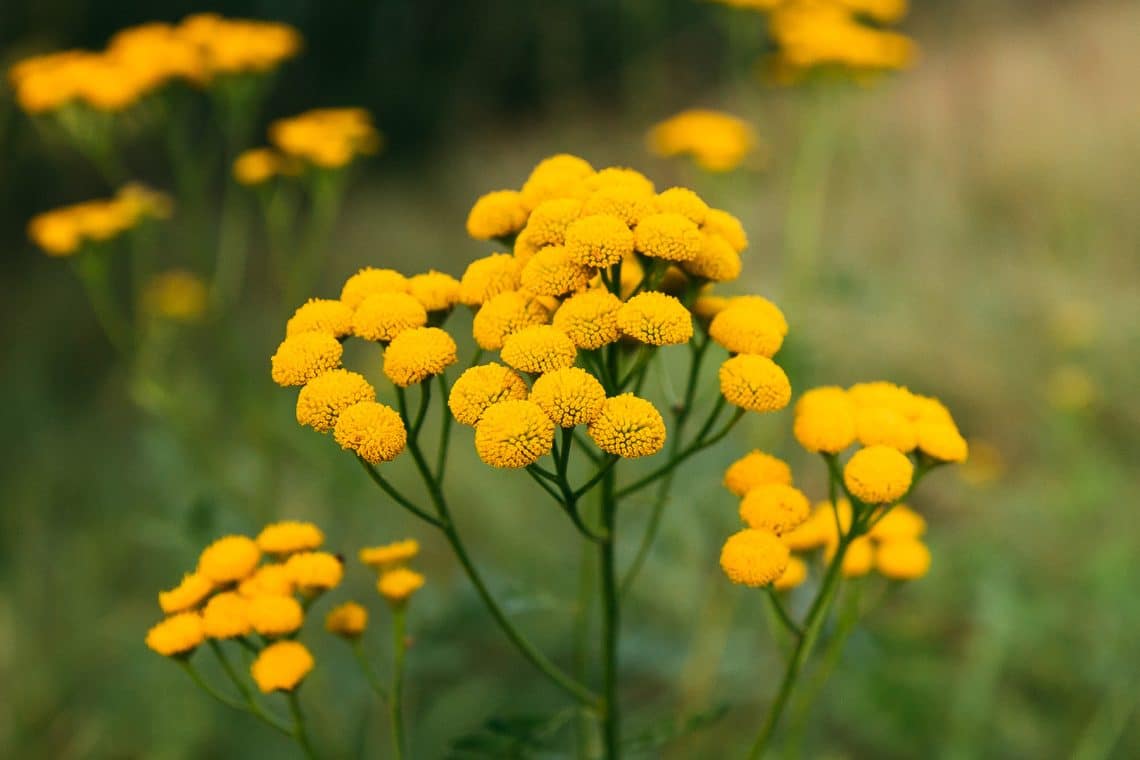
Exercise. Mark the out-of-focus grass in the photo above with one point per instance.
(978, 236)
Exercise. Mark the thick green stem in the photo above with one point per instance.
(395, 704)
(611, 623)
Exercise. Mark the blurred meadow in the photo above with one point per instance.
(971, 233)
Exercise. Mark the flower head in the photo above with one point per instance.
(794, 575)
(289, 536)
(878, 474)
(569, 396)
(616, 177)
(275, 615)
(668, 236)
(756, 469)
(598, 240)
(628, 427)
(886, 426)
(176, 635)
(902, 559)
(303, 356)
(755, 383)
(513, 434)
(321, 315)
(590, 318)
(186, 595)
(774, 507)
(390, 555)
(398, 585)
(372, 431)
(267, 580)
(434, 290)
(655, 318)
(538, 349)
(229, 559)
(754, 558)
(326, 137)
(497, 214)
(942, 441)
(553, 272)
(281, 666)
(751, 325)
(717, 261)
(859, 558)
(481, 386)
(899, 523)
(628, 202)
(369, 282)
(323, 398)
(348, 620)
(315, 571)
(489, 276)
(505, 314)
(825, 420)
(256, 166)
(553, 177)
(225, 616)
(717, 141)
(417, 354)
(683, 201)
(383, 316)
(548, 222)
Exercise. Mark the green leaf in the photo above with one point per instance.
(518, 737)
(668, 730)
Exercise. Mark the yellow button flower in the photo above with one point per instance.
(302, 357)
(671, 237)
(323, 398)
(481, 386)
(774, 507)
(186, 595)
(267, 580)
(719, 222)
(548, 222)
(590, 318)
(315, 571)
(320, 315)
(942, 441)
(538, 349)
(755, 383)
(754, 558)
(388, 555)
(176, 635)
(717, 141)
(372, 431)
(655, 318)
(878, 474)
(750, 325)
(497, 214)
(434, 290)
(883, 394)
(794, 575)
(489, 276)
(881, 425)
(229, 559)
(569, 396)
(225, 616)
(683, 201)
(616, 176)
(513, 434)
(859, 558)
(348, 620)
(598, 240)
(901, 522)
(281, 666)
(706, 307)
(812, 533)
(370, 282)
(553, 178)
(756, 469)
(383, 316)
(274, 615)
(256, 165)
(628, 202)
(628, 427)
(504, 315)
(288, 536)
(825, 420)
(398, 585)
(717, 261)
(902, 559)
(553, 272)
(418, 354)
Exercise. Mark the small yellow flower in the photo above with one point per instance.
(323, 398)
(616, 177)
(176, 635)
(859, 558)
(538, 349)
(878, 474)
(186, 595)
(417, 354)
(434, 290)
(598, 240)
(267, 580)
(750, 325)
(390, 555)
(176, 295)
(398, 585)
(303, 356)
(754, 558)
(774, 507)
(548, 222)
(513, 434)
(497, 214)
(813, 533)
(706, 307)
(590, 318)
(628, 427)
(525, 247)
(942, 441)
(553, 177)
(794, 575)
(717, 141)
(720, 222)
(505, 314)
(383, 316)
(882, 425)
(825, 420)
(315, 571)
(755, 383)
(320, 315)
(372, 431)
(717, 261)
(671, 237)
(902, 559)
(369, 282)
(348, 620)
(631, 203)
(569, 396)
(683, 201)
(481, 386)
(229, 559)
(56, 233)
(489, 276)
(289, 536)
(256, 165)
(756, 469)
(281, 666)
(553, 272)
(275, 615)
(882, 394)
(225, 616)
(901, 522)
(655, 318)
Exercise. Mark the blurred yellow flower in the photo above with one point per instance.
(794, 575)
(750, 325)
(348, 620)
(288, 536)
(64, 231)
(229, 559)
(774, 507)
(756, 469)
(878, 474)
(281, 666)
(186, 595)
(389, 555)
(434, 290)
(902, 559)
(226, 616)
(717, 141)
(326, 137)
(901, 522)
(398, 585)
(717, 261)
(176, 295)
(553, 177)
(314, 571)
(825, 420)
(275, 615)
(267, 580)
(257, 165)
(1071, 387)
(176, 635)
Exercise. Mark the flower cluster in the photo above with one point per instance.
(328, 138)
(717, 141)
(395, 581)
(67, 230)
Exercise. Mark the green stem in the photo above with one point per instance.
(611, 623)
(398, 497)
(213, 692)
(399, 650)
(366, 668)
(92, 269)
(782, 614)
(444, 429)
(252, 705)
(300, 733)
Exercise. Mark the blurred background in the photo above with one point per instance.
(978, 242)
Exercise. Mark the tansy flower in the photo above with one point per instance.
(497, 214)
(538, 349)
(717, 141)
(553, 177)
(899, 523)
(825, 420)
(481, 386)
(525, 246)
(750, 325)
(716, 261)
(383, 316)
(229, 559)
(315, 571)
(399, 584)
(176, 635)
(756, 469)
(274, 615)
(941, 441)
(859, 558)
(489, 276)
(617, 176)
(774, 507)
(569, 396)
(927, 409)
(671, 237)
(628, 202)
(281, 666)
(628, 427)
(719, 222)
(878, 474)
(754, 558)
(656, 319)
(505, 314)
(348, 620)
(548, 222)
(176, 295)
(372, 431)
(434, 290)
(881, 425)
(683, 201)
(57, 234)
(256, 165)
(513, 434)
(289, 536)
(598, 240)
(755, 383)
(417, 354)
(369, 282)
(589, 318)
(267, 580)
(902, 559)
(323, 398)
(186, 595)
(794, 575)
(812, 533)
(225, 617)
(321, 315)
(303, 356)
(706, 307)
(882, 394)
(388, 555)
(553, 272)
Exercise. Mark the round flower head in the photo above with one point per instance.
(754, 558)
(726, 225)
(756, 469)
(752, 325)
(399, 584)
(370, 282)
(671, 237)
(388, 555)
(538, 349)
(549, 220)
(320, 315)
(899, 523)
(552, 272)
(628, 427)
(176, 635)
(315, 571)
(825, 420)
(794, 575)
(434, 290)
(882, 425)
(859, 558)
(497, 214)
(186, 595)
(256, 165)
(629, 203)
(927, 409)
(569, 396)
(716, 261)
(289, 536)
(229, 559)
(323, 398)
(525, 246)
(882, 394)
(942, 441)
(417, 354)
(383, 316)
(812, 533)
(656, 319)
(553, 177)
(683, 201)
(348, 620)
(903, 559)
(481, 386)
(225, 616)
(267, 580)
(755, 383)
(372, 431)
(878, 474)
(281, 666)
(303, 356)
(505, 314)
(705, 308)
(489, 276)
(774, 507)
(513, 434)
(617, 176)
(275, 615)
(598, 240)
(590, 318)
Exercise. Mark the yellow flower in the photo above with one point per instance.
(372, 431)
(882, 425)
(434, 290)
(513, 433)
(825, 420)
(267, 580)
(57, 234)
(383, 316)
(717, 261)
(289, 536)
(656, 319)
(553, 272)
(706, 307)
(275, 615)
(812, 533)
(756, 469)
(819, 34)
(774, 507)
(281, 666)
(489, 276)
(177, 295)
(899, 523)
(590, 318)
(256, 165)
(750, 325)
(754, 558)
(755, 383)
(548, 222)
(417, 354)
(720, 222)
(225, 616)
(538, 349)
(303, 356)
(614, 177)
(883, 394)
(326, 137)
(369, 282)
(878, 474)
(176, 635)
(717, 141)
(628, 202)
(794, 575)
(323, 398)
(671, 237)
(504, 315)
(525, 247)
(497, 214)
(321, 315)
(683, 201)
(389, 555)
(186, 595)
(229, 559)
(598, 240)
(902, 559)
(628, 427)
(553, 178)
(942, 441)
(315, 571)
(859, 558)
(481, 386)
(348, 620)
(398, 585)
(569, 396)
